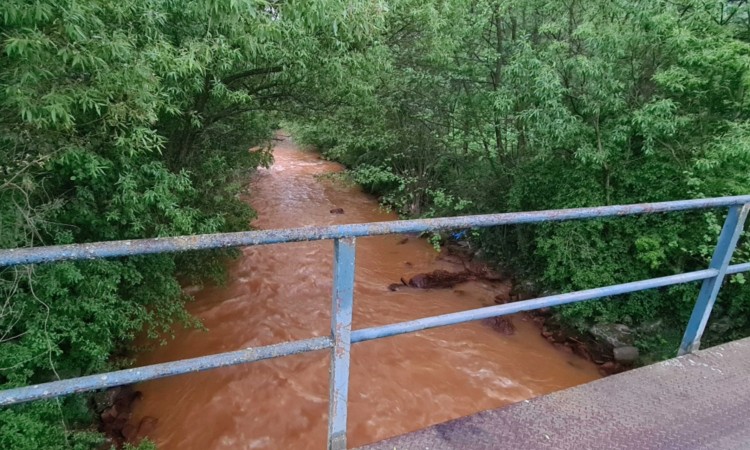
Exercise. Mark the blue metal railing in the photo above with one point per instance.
(342, 335)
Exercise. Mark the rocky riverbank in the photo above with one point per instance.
(114, 408)
(610, 346)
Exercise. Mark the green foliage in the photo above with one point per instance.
(47, 425)
(143, 445)
(512, 105)
(133, 119)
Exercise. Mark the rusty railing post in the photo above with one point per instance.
(341, 331)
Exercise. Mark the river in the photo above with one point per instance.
(282, 292)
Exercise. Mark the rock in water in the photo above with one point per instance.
(614, 334)
(129, 431)
(147, 425)
(610, 368)
(439, 279)
(501, 299)
(626, 355)
(502, 324)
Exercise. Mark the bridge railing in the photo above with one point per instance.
(342, 336)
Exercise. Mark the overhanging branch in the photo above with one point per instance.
(251, 73)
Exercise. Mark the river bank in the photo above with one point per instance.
(609, 346)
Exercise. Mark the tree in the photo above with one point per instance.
(133, 119)
(510, 105)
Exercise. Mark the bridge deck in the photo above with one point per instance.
(698, 401)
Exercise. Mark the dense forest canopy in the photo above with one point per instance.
(492, 106)
(132, 119)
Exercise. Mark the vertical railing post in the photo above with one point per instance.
(730, 234)
(341, 329)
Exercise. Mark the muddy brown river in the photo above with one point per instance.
(282, 292)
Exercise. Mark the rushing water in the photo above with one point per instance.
(282, 292)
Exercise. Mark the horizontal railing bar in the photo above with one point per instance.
(395, 329)
(738, 268)
(155, 371)
(225, 240)
(152, 372)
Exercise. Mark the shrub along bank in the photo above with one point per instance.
(133, 119)
(516, 105)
